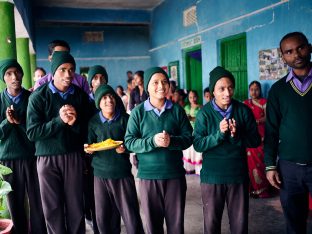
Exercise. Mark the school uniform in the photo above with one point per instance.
(17, 153)
(161, 172)
(59, 150)
(114, 186)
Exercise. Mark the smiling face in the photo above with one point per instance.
(13, 80)
(223, 92)
(296, 52)
(158, 86)
(107, 105)
(64, 76)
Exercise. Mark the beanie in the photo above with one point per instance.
(8, 63)
(101, 91)
(59, 58)
(97, 69)
(216, 74)
(150, 72)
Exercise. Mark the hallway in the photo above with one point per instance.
(265, 215)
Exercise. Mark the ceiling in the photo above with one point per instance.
(100, 4)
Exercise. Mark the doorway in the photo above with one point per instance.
(193, 70)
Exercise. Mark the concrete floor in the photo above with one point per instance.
(265, 215)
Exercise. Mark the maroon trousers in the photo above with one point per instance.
(214, 197)
(163, 199)
(24, 180)
(61, 187)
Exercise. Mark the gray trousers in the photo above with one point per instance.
(214, 196)
(163, 199)
(115, 198)
(24, 180)
(61, 187)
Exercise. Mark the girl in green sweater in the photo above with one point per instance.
(157, 132)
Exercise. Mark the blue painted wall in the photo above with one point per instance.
(265, 22)
(124, 48)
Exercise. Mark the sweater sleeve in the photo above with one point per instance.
(37, 127)
(5, 129)
(185, 139)
(133, 139)
(203, 139)
(272, 124)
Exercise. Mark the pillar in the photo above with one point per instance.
(33, 65)
(7, 35)
(23, 58)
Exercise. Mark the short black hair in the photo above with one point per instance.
(293, 34)
(140, 74)
(41, 69)
(55, 43)
(207, 90)
(129, 72)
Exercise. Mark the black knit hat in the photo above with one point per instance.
(59, 58)
(216, 74)
(101, 91)
(97, 69)
(8, 63)
(150, 72)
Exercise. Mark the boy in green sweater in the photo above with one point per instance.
(224, 128)
(17, 152)
(58, 113)
(114, 187)
(288, 132)
(157, 132)
(97, 75)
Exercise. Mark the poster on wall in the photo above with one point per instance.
(173, 71)
(271, 65)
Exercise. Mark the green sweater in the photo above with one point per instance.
(14, 143)
(158, 162)
(224, 157)
(288, 125)
(109, 164)
(45, 127)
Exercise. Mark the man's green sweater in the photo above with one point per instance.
(158, 162)
(224, 157)
(288, 124)
(45, 127)
(14, 143)
(109, 164)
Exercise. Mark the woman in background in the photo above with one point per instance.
(259, 186)
(192, 159)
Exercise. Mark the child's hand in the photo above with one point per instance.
(85, 146)
(120, 149)
(162, 139)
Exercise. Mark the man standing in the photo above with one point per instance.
(224, 128)
(57, 122)
(288, 127)
(60, 45)
(17, 152)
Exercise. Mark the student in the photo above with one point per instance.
(17, 152)
(157, 132)
(39, 72)
(138, 94)
(60, 45)
(114, 187)
(224, 128)
(207, 95)
(97, 75)
(287, 132)
(57, 116)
